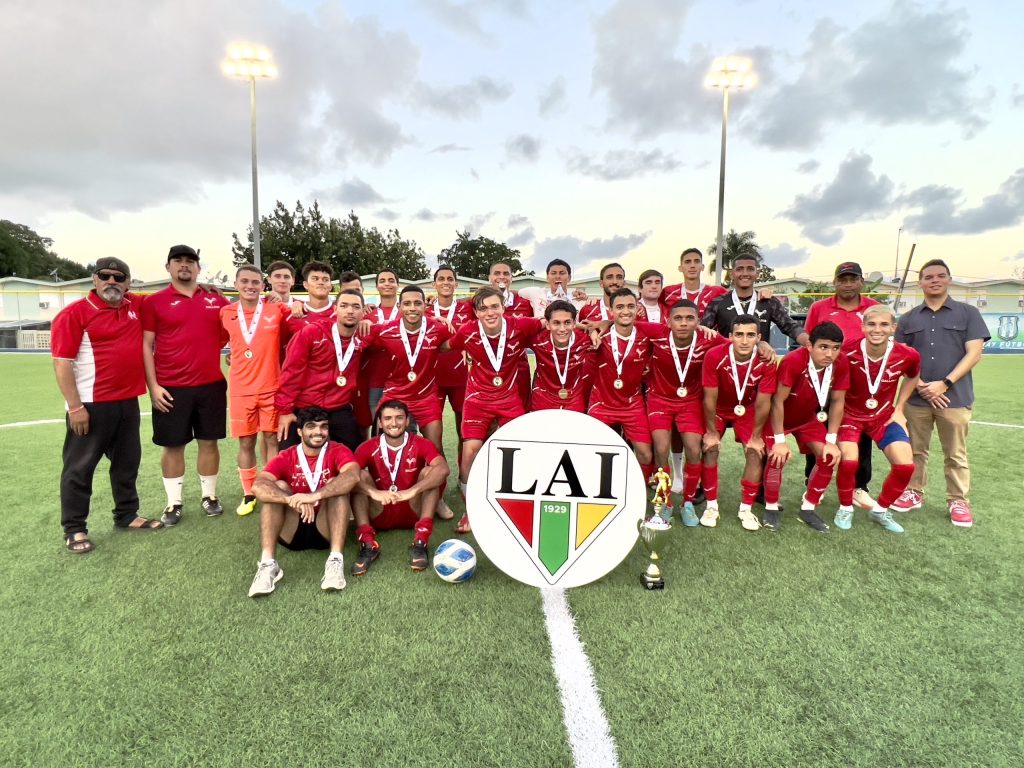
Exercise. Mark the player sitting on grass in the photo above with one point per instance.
(401, 474)
(291, 487)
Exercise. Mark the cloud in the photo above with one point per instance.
(175, 138)
(466, 18)
(517, 220)
(1018, 257)
(425, 214)
(521, 238)
(808, 166)
(621, 164)
(1017, 96)
(942, 211)
(474, 174)
(387, 214)
(551, 100)
(855, 194)
(353, 192)
(460, 102)
(444, 149)
(583, 254)
(784, 255)
(477, 221)
(523, 147)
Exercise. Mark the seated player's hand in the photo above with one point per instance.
(284, 421)
(162, 399)
(756, 444)
(398, 497)
(302, 498)
(779, 455)
(711, 441)
(831, 454)
(307, 512)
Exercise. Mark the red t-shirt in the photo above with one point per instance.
(663, 380)
(717, 372)
(903, 362)
(701, 297)
(572, 363)
(417, 454)
(388, 338)
(519, 331)
(310, 372)
(378, 362)
(261, 371)
(604, 392)
(802, 404)
(323, 316)
(285, 466)
(517, 306)
(105, 345)
(851, 321)
(451, 366)
(189, 336)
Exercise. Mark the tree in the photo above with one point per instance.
(25, 253)
(307, 235)
(473, 256)
(736, 244)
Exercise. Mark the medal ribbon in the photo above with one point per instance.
(312, 480)
(740, 390)
(562, 375)
(821, 386)
(249, 331)
(411, 356)
(874, 385)
(736, 303)
(680, 370)
(495, 358)
(386, 318)
(384, 448)
(343, 357)
(614, 338)
(447, 314)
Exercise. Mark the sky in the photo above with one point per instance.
(579, 130)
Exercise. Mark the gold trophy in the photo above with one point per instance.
(653, 529)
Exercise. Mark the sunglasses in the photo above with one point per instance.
(117, 276)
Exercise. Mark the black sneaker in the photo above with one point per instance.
(771, 520)
(699, 497)
(171, 515)
(367, 554)
(418, 557)
(212, 507)
(810, 517)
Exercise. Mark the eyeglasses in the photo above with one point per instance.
(116, 276)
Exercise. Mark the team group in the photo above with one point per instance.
(310, 381)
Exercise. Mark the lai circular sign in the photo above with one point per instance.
(554, 498)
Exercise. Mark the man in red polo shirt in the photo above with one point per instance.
(96, 344)
(181, 341)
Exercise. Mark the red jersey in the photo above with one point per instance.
(851, 321)
(104, 344)
(717, 372)
(451, 366)
(703, 296)
(285, 466)
(310, 372)
(482, 376)
(664, 378)
(801, 407)
(903, 362)
(261, 370)
(572, 364)
(598, 311)
(323, 316)
(517, 306)
(189, 336)
(389, 339)
(606, 373)
(416, 454)
(379, 361)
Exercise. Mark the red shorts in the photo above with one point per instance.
(455, 395)
(850, 430)
(249, 414)
(813, 431)
(478, 415)
(686, 415)
(632, 420)
(742, 426)
(392, 516)
(426, 409)
(542, 400)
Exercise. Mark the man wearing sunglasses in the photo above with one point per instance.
(96, 344)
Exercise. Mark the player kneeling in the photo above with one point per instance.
(304, 491)
(401, 480)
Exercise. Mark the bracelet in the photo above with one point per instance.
(780, 437)
(830, 438)
(76, 410)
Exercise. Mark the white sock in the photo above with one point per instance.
(771, 507)
(209, 485)
(172, 487)
(805, 505)
(877, 510)
(744, 508)
(335, 556)
(845, 508)
(462, 489)
(677, 472)
(712, 504)
(268, 557)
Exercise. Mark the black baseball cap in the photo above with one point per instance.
(849, 268)
(182, 252)
(112, 263)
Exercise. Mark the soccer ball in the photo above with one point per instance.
(454, 561)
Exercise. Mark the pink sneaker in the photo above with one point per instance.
(907, 501)
(960, 513)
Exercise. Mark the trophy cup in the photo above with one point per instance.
(653, 529)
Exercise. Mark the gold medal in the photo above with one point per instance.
(563, 393)
(411, 376)
(341, 381)
(497, 381)
(871, 403)
(247, 354)
(821, 416)
(617, 384)
(681, 391)
(739, 410)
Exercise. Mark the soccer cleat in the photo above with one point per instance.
(171, 515)
(246, 506)
(811, 518)
(710, 517)
(689, 515)
(368, 553)
(212, 506)
(267, 576)
(960, 513)
(907, 501)
(772, 520)
(844, 518)
(863, 499)
(748, 520)
(418, 557)
(884, 519)
(334, 575)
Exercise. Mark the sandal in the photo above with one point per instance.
(139, 523)
(463, 526)
(79, 546)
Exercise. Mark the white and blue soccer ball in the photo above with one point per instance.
(454, 561)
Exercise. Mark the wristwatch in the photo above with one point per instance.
(948, 383)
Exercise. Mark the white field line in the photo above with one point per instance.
(998, 424)
(589, 735)
(14, 424)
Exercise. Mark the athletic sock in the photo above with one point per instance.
(691, 477)
(676, 460)
(818, 482)
(365, 534)
(648, 470)
(336, 556)
(895, 483)
(771, 506)
(268, 557)
(173, 486)
(462, 490)
(749, 492)
(709, 474)
(209, 485)
(772, 484)
(424, 527)
(248, 476)
(845, 481)
(744, 507)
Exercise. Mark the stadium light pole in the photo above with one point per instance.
(252, 63)
(727, 73)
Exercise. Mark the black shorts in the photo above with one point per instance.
(307, 536)
(341, 427)
(199, 413)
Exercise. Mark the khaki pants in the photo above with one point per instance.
(953, 424)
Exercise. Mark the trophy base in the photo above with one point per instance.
(652, 584)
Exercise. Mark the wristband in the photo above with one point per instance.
(76, 410)
(830, 438)
(948, 383)
(780, 437)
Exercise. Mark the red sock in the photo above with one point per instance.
(248, 476)
(749, 490)
(709, 475)
(772, 483)
(895, 483)
(424, 527)
(366, 535)
(648, 470)
(691, 477)
(818, 482)
(845, 481)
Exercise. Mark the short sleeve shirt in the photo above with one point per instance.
(482, 376)
(285, 466)
(717, 372)
(260, 371)
(850, 321)
(416, 454)
(903, 362)
(802, 403)
(189, 336)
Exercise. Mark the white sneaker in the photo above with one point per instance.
(748, 520)
(266, 578)
(334, 575)
(862, 499)
(710, 517)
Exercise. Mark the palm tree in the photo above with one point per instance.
(734, 244)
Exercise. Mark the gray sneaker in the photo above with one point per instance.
(212, 506)
(334, 575)
(266, 579)
(171, 515)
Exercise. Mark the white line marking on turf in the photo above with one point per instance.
(589, 735)
(46, 421)
(997, 424)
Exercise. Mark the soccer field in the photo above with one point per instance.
(858, 648)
